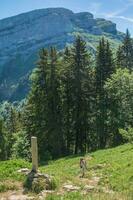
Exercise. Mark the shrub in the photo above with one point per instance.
(127, 134)
(21, 147)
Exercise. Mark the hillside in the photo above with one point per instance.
(22, 36)
(109, 176)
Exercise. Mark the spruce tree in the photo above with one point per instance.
(34, 119)
(125, 53)
(54, 116)
(66, 80)
(104, 68)
(2, 142)
(80, 94)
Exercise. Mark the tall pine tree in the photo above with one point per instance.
(125, 53)
(66, 77)
(80, 69)
(54, 114)
(36, 106)
(104, 68)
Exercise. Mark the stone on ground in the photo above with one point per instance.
(37, 182)
(71, 188)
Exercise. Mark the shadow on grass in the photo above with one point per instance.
(67, 157)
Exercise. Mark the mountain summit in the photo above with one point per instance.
(23, 35)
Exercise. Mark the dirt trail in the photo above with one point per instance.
(15, 195)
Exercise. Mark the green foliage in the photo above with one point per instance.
(4, 187)
(38, 184)
(42, 116)
(76, 104)
(125, 53)
(2, 142)
(127, 134)
(53, 184)
(80, 89)
(21, 146)
(118, 88)
(8, 170)
(104, 69)
(11, 124)
(56, 117)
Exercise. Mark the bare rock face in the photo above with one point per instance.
(33, 27)
(84, 20)
(106, 26)
(24, 34)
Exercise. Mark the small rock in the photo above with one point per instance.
(89, 158)
(44, 175)
(41, 197)
(96, 179)
(71, 188)
(107, 191)
(89, 188)
(47, 191)
(20, 197)
(99, 166)
(60, 193)
(44, 193)
(24, 171)
(36, 175)
(37, 182)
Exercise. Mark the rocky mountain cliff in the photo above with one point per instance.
(23, 35)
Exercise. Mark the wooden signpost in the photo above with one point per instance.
(34, 149)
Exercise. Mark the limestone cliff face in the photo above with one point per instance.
(27, 32)
(106, 26)
(22, 36)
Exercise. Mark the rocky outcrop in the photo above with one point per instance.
(106, 26)
(37, 182)
(84, 20)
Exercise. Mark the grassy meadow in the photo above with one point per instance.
(113, 168)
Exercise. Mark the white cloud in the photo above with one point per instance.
(118, 13)
(124, 18)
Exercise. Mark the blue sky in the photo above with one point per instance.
(119, 11)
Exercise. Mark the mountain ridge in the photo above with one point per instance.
(22, 36)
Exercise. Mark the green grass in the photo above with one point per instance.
(10, 179)
(90, 196)
(116, 174)
(8, 170)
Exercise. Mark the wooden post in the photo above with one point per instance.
(34, 154)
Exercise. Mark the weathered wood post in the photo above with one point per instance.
(34, 149)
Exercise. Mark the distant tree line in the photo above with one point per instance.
(76, 103)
